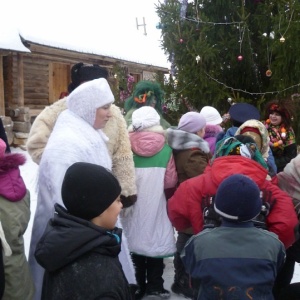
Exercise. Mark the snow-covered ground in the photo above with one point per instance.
(29, 173)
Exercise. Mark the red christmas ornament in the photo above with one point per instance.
(268, 73)
(181, 41)
(240, 58)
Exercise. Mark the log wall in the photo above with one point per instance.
(32, 81)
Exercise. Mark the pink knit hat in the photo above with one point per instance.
(2, 148)
(191, 122)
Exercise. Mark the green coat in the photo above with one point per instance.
(15, 217)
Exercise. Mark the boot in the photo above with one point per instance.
(181, 285)
(140, 265)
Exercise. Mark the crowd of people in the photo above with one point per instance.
(118, 194)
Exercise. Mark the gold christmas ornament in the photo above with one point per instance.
(198, 58)
(282, 39)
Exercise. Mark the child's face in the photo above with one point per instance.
(275, 118)
(201, 132)
(102, 116)
(110, 215)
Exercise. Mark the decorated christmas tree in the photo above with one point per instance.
(238, 50)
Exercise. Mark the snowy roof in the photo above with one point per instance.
(10, 40)
(136, 47)
(107, 28)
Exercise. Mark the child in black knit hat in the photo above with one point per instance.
(80, 246)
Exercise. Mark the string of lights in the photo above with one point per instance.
(199, 21)
(282, 35)
(244, 37)
(254, 64)
(250, 93)
(214, 23)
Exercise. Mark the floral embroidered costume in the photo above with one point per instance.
(282, 136)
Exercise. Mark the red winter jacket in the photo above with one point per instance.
(185, 209)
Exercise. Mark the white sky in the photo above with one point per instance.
(97, 26)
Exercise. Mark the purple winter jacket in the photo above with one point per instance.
(211, 132)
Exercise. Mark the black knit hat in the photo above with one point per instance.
(81, 72)
(88, 190)
(238, 198)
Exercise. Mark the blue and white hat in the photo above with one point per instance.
(238, 198)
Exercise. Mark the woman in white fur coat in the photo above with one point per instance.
(76, 136)
(116, 129)
(118, 144)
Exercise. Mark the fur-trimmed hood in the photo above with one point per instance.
(12, 186)
(182, 140)
(11, 161)
(211, 134)
(262, 131)
(212, 131)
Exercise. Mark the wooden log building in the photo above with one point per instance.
(34, 77)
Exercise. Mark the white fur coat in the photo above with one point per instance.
(118, 145)
(72, 140)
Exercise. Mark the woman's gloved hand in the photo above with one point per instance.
(128, 201)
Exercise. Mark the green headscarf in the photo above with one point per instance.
(145, 93)
(244, 147)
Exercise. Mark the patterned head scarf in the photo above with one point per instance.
(254, 128)
(239, 145)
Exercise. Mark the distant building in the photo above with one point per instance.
(33, 75)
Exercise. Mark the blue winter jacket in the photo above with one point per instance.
(234, 261)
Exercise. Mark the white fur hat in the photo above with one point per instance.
(211, 115)
(145, 117)
(89, 96)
